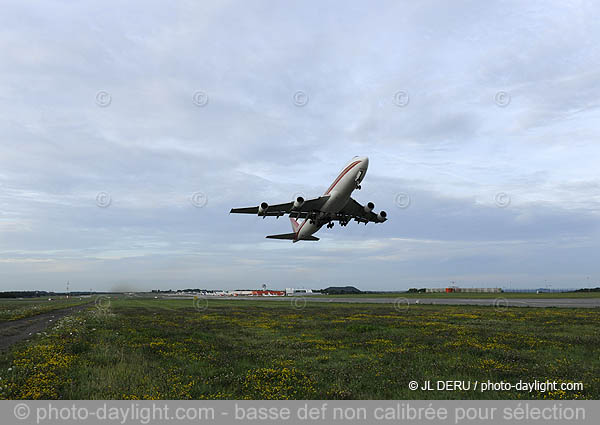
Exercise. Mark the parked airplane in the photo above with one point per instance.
(336, 204)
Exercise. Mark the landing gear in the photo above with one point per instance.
(358, 187)
(329, 225)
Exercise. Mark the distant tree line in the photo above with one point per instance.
(25, 294)
(35, 294)
(340, 290)
(171, 291)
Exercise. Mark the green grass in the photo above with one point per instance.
(180, 349)
(14, 309)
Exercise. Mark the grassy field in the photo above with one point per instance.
(14, 309)
(182, 349)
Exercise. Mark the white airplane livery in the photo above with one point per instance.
(336, 204)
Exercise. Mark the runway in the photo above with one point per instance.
(498, 302)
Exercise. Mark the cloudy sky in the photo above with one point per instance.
(129, 129)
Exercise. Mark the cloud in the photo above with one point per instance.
(453, 149)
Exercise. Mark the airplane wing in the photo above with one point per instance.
(307, 208)
(355, 211)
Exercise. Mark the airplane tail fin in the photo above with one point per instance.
(292, 236)
(295, 225)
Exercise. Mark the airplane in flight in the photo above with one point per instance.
(336, 204)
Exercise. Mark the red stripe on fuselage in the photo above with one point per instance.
(300, 228)
(342, 174)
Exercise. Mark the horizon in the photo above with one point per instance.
(399, 290)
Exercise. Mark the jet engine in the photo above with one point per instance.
(298, 202)
(382, 216)
(262, 209)
(369, 207)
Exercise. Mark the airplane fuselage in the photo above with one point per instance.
(339, 194)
